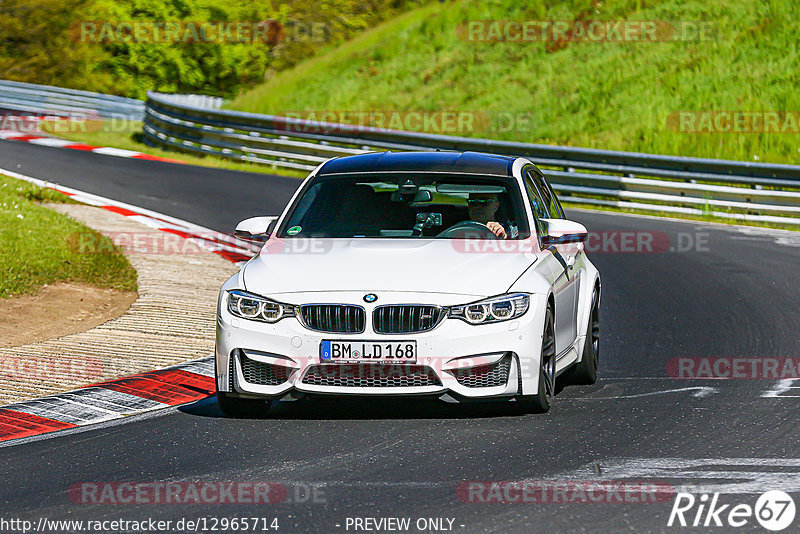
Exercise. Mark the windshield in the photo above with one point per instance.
(408, 206)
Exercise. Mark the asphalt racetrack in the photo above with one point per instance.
(700, 292)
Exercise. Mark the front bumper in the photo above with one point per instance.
(456, 359)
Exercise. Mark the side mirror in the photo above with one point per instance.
(563, 231)
(255, 229)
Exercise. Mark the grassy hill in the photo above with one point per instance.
(615, 94)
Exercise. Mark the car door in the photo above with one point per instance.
(562, 260)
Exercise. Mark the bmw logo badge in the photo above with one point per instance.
(370, 297)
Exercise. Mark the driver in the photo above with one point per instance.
(483, 208)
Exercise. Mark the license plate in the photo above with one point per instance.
(332, 351)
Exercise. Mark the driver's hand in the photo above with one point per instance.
(497, 229)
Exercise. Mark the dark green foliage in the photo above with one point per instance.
(83, 44)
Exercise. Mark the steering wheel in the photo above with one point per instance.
(468, 230)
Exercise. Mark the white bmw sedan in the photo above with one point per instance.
(438, 274)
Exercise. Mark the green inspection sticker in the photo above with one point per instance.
(294, 230)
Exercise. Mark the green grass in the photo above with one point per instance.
(129, 137)
(610, 95)
(32, 193)
(39, 246)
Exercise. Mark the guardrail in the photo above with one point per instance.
(45, 99)
(194, 123)
(728, 189)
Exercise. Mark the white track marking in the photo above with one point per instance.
(109, 151)
(37, 137)
(699, 392)
(781, 387)
(51, 141)
(701, 475)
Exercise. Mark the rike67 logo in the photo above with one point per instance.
(773, 510)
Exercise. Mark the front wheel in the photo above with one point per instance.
(540, 403)
(238, 407)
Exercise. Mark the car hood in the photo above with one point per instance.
(424, 265)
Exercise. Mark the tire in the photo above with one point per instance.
(540, 403)
(238, 407)
(585, 371)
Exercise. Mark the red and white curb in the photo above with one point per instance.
(15, 135)
(106, 401)
(228, 247)
(123, 397)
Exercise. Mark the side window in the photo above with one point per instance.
(549, 196)
(556, 202)
(538, 205)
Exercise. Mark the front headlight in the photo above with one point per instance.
(256, 308)
(492, 310)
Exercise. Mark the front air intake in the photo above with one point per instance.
(263, 374)
(371, 376)
(485, 376)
